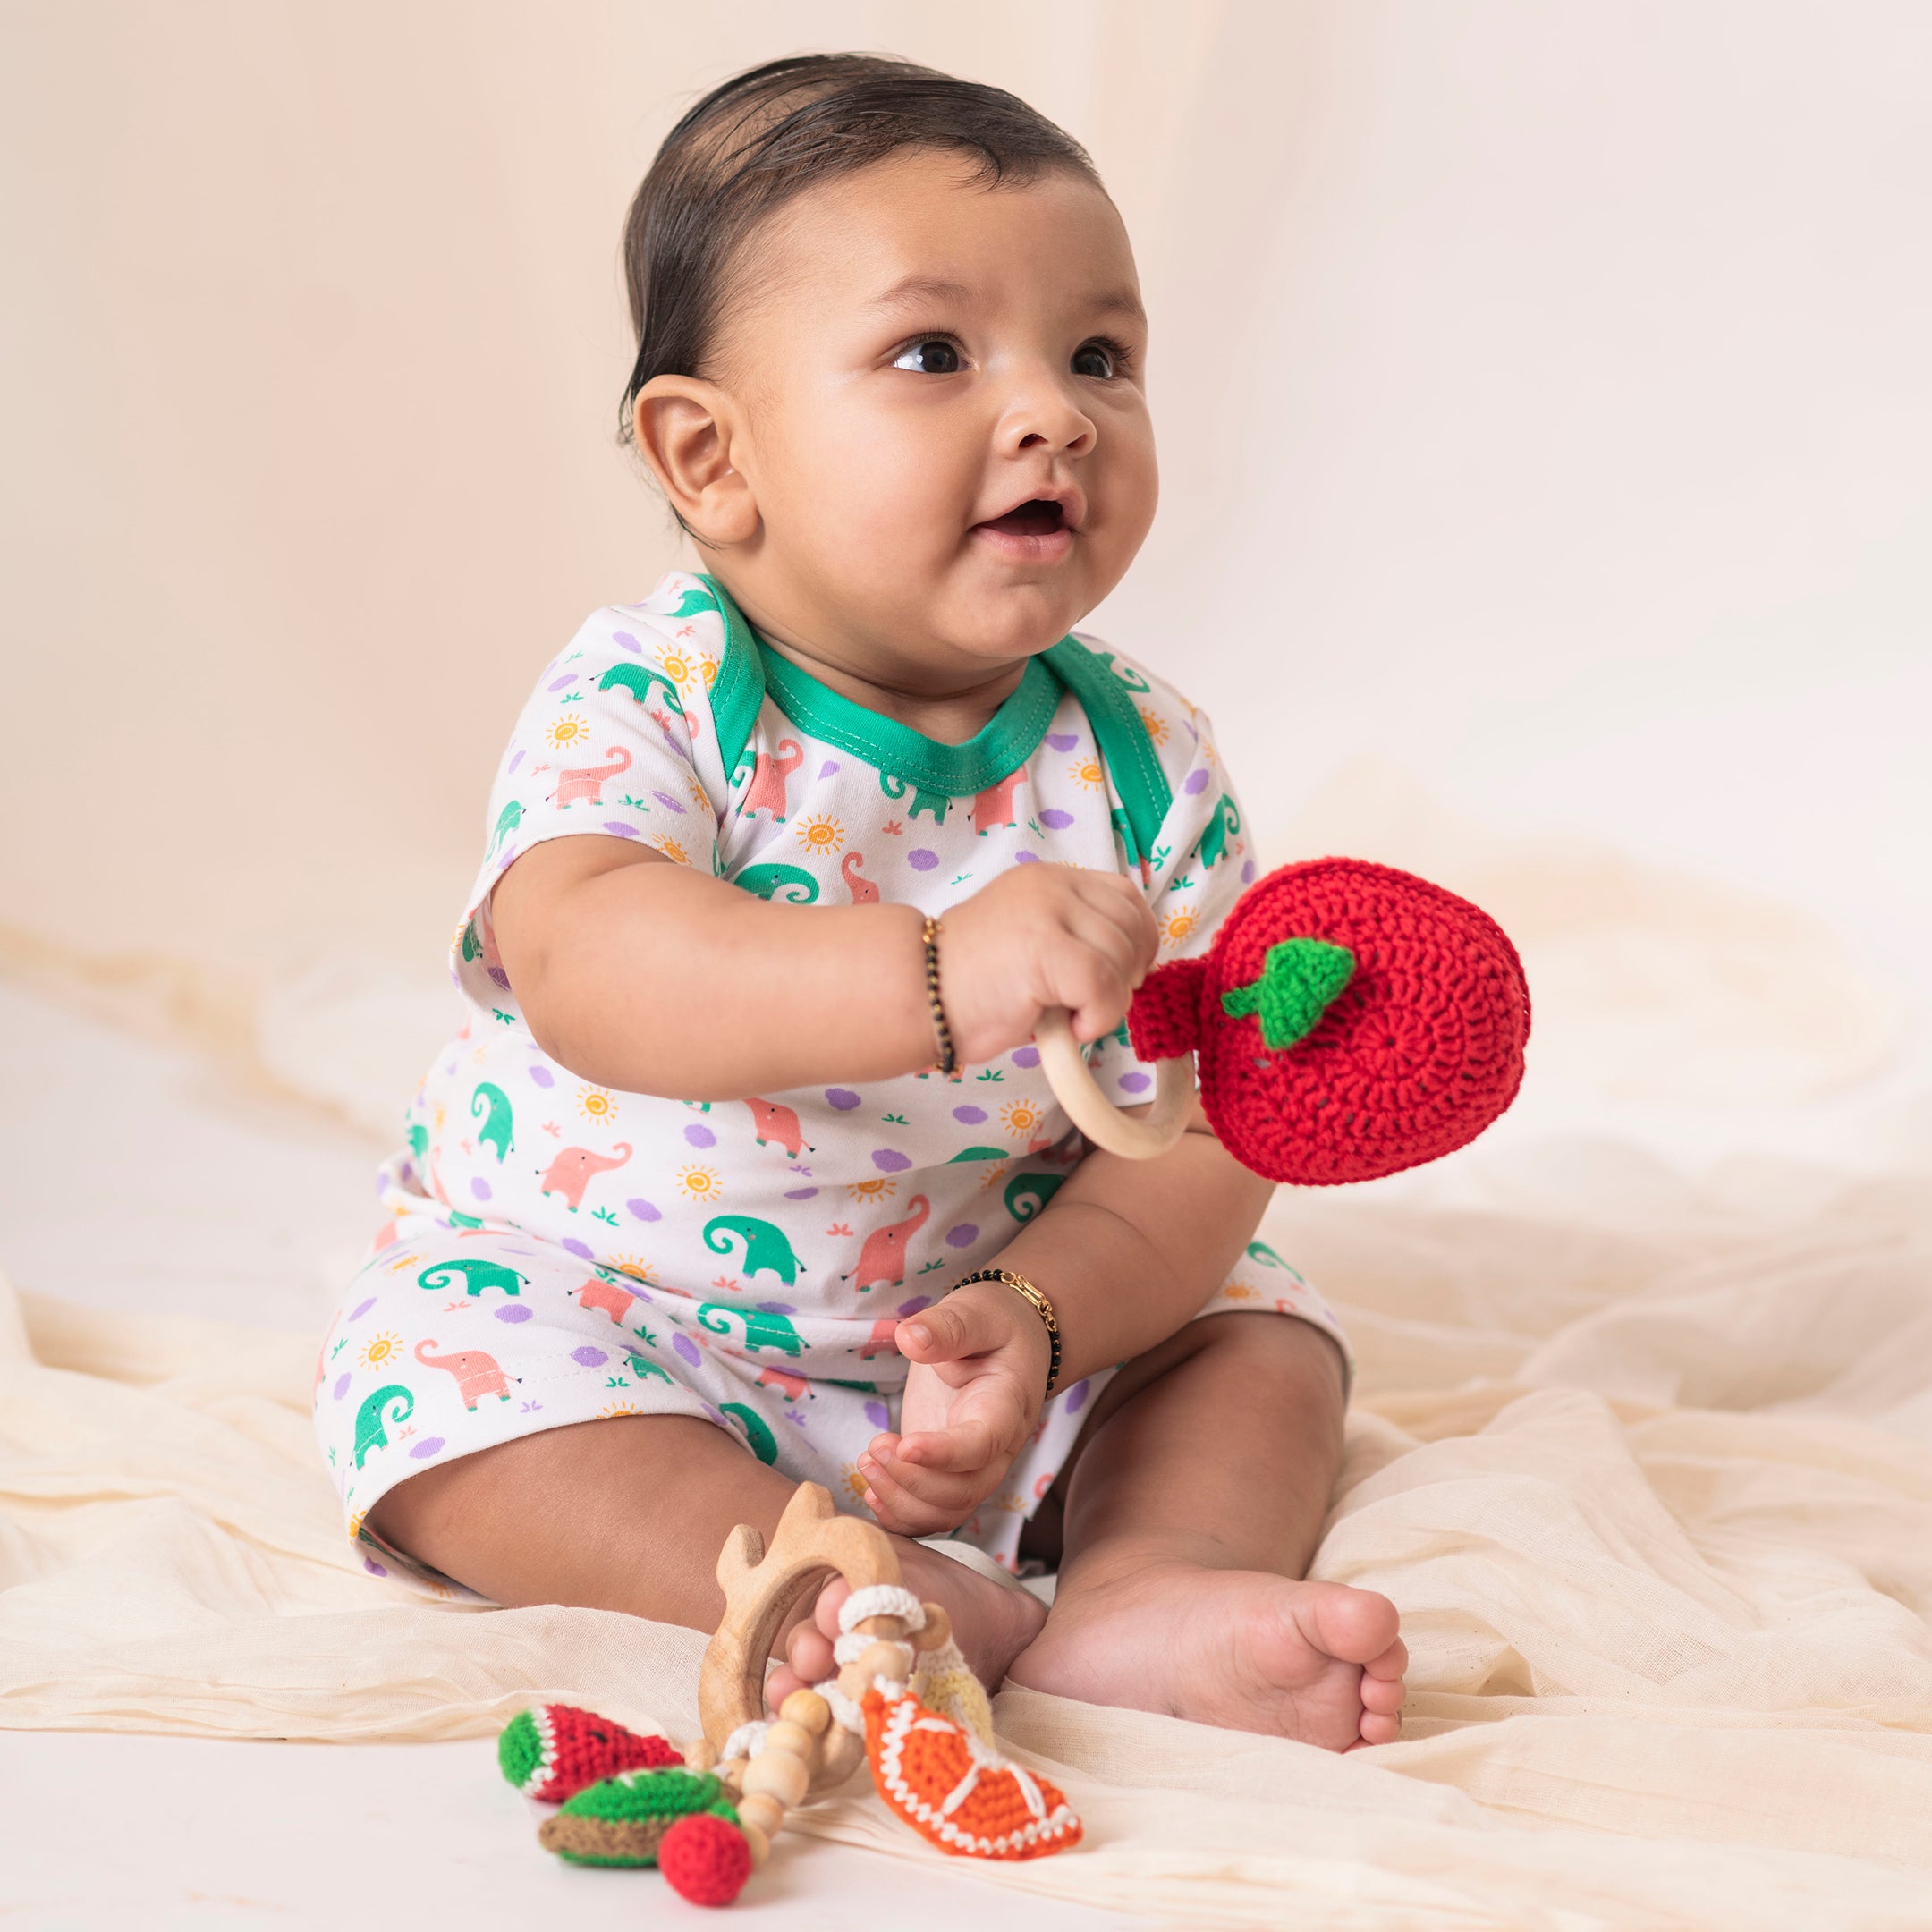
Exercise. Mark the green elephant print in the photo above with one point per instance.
(638, 680)
(640, 1366)
(495, 1133)
(979, 1153)
(417, 1136)
(1214, 840)
(1259, 1250)
(694, 604)
(935, 802)
(763, 1444)
(470, 948)
(1126, 674)
(1027, 1193)
(793, 884)
(762, 1330)
(766, 1249)
(507, 820)
(380, 1412)
(477, 1275)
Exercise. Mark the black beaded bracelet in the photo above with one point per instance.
(948, 1059)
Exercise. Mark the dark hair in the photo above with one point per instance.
(765, 135)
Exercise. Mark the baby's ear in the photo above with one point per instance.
(686, 429)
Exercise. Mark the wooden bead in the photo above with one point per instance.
(763, 1813)
(891, 1628)
(885, 1660)
(937, 1630)
(793, 1739)
(755, 1842)
(807, 1710)
(700, 1754)
(731, 1773)
(855, 1681)
(775, 1775)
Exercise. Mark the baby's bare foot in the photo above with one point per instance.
(992, 1623)
(1241, 1649)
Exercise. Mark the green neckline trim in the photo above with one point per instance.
(750, 668)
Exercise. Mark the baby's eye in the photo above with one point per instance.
(934, 356)
(1097, 358)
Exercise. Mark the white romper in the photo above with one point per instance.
(552, 1251)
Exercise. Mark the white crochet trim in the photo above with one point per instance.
(746, 1741)
(844, 1712)
(881, 1599)
(854, 1645)
(1042, 1826)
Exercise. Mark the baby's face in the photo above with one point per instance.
(916, 358)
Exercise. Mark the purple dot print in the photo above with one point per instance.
(625, 642)
(362, 1308)
(369, 1562)
(513, 1312)
(516, 759)
(642, 1210)
(920, 859)
(969, 1116)
(1135, 1082)
(890, 1160)
(581, 1249)
(1195, 782)
(843, 1097)
(668, 802)
(778, 1308)
(480, 1188)
(342, 1385)
(562, 684)
(499, 978)
(914, 1305)
(801, 1193)
(963, 1236)
(1062, 740)
(591, 1358)
(1026, 1057)
(1026, 858)
(688, 1348)
(1076, 1398)
(879, 1415)
(1246, 872)
(543, 1076)
(830, 766)
(700, 1136)
(617, 828)
(1057, 821)
(427, 1447)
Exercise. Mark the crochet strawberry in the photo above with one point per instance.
(1350, 1021)
(552, 1751)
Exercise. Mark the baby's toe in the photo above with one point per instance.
(1392, 1663)
(809, 1653)
(1382, 1695)
(1379, 1729)
(780, 1685)
(832, 1597)
(1355, 1625)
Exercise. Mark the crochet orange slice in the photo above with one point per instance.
(957, 1792)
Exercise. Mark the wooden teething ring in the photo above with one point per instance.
(1096, 1116)
(761, 1585)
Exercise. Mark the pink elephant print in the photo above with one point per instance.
(599, 1294)
(795, 1386)
(993, 808)
(571, 1172)
(882, 1258)
(863, 891)
(585, 782)
(770, 1121)
(767, 791)
(880, 1340)
(477, 1374)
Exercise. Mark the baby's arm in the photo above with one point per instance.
(1126, 1250)
(650, 977)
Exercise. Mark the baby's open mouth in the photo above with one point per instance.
(1038, 516)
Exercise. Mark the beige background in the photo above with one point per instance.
(1542, 391)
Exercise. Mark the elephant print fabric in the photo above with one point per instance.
(551, 1252)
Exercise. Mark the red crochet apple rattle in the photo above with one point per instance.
(1350, 1020)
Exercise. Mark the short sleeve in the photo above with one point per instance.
(604, 748)
(1200, 865)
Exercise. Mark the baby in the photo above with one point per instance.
(743, 1171)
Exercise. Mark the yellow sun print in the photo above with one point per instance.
(1177, 929)
(1022, 1118)
(568, 732)
(596, 1105)
(702, 1183)
(1087, 771)
(635, 1265)
(673, 850)
(819, 834)
(876, 1189)
(1157, 725)
(380, 1350)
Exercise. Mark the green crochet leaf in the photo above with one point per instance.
(665, 1793)
(1300, 979)
(520, 1750)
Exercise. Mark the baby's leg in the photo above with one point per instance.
(1192, 1510)
(629, 1515)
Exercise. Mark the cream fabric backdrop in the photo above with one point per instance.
(1541, 393)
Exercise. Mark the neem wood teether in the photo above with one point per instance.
(1350, 1020)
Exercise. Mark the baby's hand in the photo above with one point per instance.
(973, 1396)
(1042, 936)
